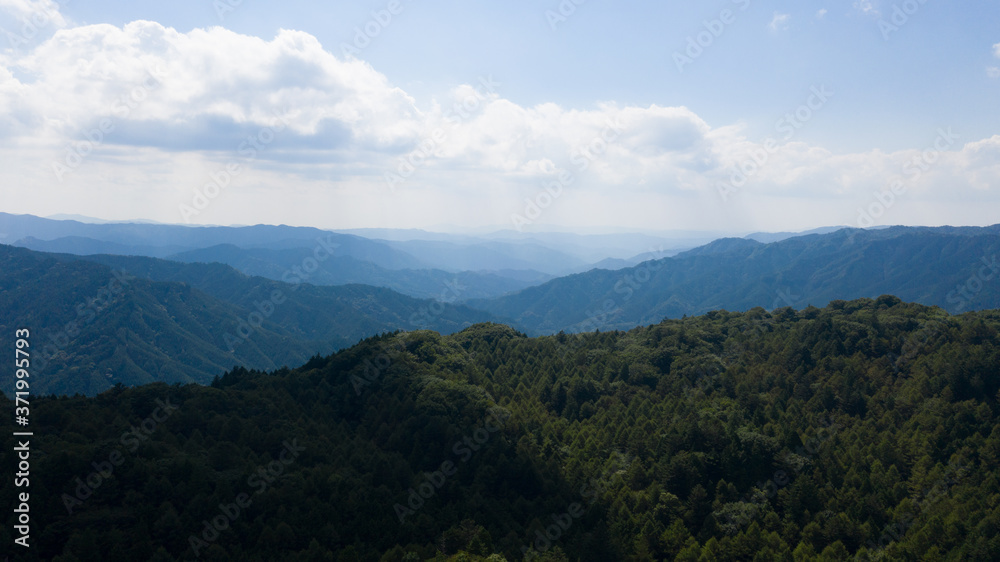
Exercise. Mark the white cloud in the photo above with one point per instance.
(779, 21)
(993, 72)
(479, 155)
(25, 22)
(996, 50)
(204, 79)
(36, 12)
(821, 14)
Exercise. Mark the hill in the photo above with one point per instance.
(864, 429)
(343, 270)
(140, 320)
(955, 268)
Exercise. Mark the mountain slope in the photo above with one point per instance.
(97, 326)
(311, 304)
(865, 430)
(926, 265)
(80, 245)
(287, 264)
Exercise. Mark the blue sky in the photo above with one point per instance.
(668, 139)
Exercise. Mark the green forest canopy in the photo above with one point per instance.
(866, 428)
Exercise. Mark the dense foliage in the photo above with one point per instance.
(135, 320)
(867, 428)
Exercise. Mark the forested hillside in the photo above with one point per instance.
(866, 428)
(954, 268)
(146, 320)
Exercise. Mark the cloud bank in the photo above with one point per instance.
(137, 120)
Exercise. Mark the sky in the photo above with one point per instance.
(729, 115)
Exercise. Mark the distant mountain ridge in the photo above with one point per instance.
(342, 270)
(920, 264)
(173, 322)
(16, 227)
(553, 253)
(83, 246)
(768, 237)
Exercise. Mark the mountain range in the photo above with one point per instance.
(207, 309)
(133, 320)
(954, 268)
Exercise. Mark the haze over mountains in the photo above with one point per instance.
(187, 315)
(549, 253)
